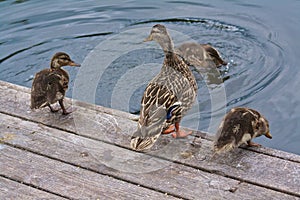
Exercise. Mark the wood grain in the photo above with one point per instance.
(106, 159)
(103, 134)
(13, 190)
(67, 180)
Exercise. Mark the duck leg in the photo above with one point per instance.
(252, 144)
(65, 112)
(179, 133)
(169, 130)
(53, 109)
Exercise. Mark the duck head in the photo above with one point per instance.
(262, 128)
(214, 54)
(160, 34)
(62, 59)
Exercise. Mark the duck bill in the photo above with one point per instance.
(149, 38)
(74, 64)
(268, 135)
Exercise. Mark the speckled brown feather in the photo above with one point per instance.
(214, 54)
(174, 83)
(49, 86)
(200, 55)
(239, 126)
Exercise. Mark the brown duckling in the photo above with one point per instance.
(50, 85)
(239, 126)
(201, 55)
(167, 97)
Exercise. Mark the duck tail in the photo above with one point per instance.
(222, 148)
(140, 143)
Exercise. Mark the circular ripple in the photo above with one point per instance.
(254, 63)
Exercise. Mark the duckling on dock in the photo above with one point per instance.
(239, 126)
(50, 85)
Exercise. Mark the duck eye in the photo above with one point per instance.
(155, 30)
(65, 58)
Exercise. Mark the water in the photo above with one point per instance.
(259, 39)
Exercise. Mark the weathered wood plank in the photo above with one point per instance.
(12, 93)
(66, 180)
(5, 85)
(161, 175)
(273, 172)
(13, 190)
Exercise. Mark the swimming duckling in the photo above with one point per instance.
(50, 85)
(200, 55)
(239, 126)
(175, 83)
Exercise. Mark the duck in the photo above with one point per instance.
(200, 55)
(50, 85)
(239, 126)
(167, 97)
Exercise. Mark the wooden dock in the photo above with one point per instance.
(86, 155)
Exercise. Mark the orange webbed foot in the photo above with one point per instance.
(179, 133)
(252, 144)
(169, 130)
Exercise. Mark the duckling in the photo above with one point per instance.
(167, 97)
(50, 85)
(239, 126)
(201, 55)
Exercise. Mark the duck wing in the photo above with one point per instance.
(145, 136)
(155, 96)
(167, 88)
(156, 101)
(47, 88)
(234, 129)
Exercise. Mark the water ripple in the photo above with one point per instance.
(93, 35)
(191, 3)
(262, 65)
(209, 23)
(20, 51)
(252, 66)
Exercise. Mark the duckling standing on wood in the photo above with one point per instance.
(50, 85)
(167, 97)
(201, 55)
(240, 126)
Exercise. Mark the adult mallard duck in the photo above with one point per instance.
(50, 85)
(239, 126)
(200, 55)
(167, 97)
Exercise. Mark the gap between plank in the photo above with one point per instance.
(34, 186)
(85, 168)
(163, 158)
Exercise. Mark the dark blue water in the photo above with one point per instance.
(259, 39)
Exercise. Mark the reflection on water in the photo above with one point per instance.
(259, 45)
